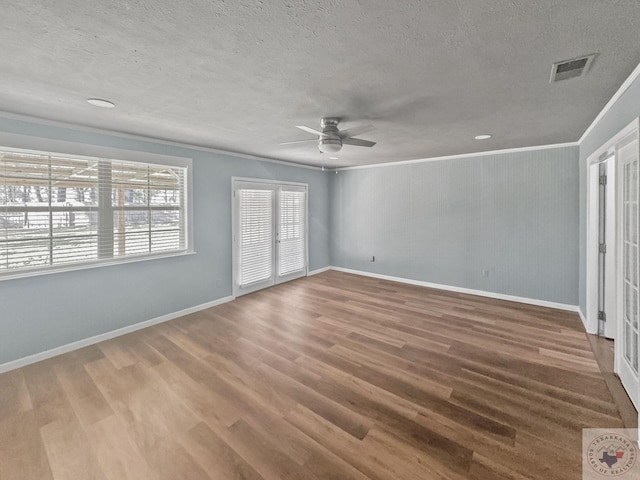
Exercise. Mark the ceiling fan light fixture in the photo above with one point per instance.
(329, 145)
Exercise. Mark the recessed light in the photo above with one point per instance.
(97, 102)
(485, 136)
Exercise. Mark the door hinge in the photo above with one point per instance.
(602, 248)
(602, 316)
(603, 179)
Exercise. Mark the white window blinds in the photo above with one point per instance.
(256, 235)
(292, 255)
(147, 208)
(58, 210)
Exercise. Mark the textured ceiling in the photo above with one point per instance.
(239, 75)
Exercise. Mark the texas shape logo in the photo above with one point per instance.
(612, 454)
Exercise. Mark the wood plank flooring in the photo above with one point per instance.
(332, 376)
(604, 352)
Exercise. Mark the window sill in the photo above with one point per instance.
(36, 272)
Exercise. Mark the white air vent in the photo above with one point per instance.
(576, 67)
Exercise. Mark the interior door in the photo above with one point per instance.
(269, 234)
(628, 346)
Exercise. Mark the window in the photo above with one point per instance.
(59, 210)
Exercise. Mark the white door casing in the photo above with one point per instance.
(592, 259)
(601, 247)
(611, 259)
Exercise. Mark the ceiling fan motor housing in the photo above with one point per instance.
(331, 141)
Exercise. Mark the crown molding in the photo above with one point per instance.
(463, 155)
(143, 138)
(616, 96)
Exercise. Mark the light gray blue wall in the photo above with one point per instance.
(518, 215)
(43, 312)
(623, 112)
(515, 215)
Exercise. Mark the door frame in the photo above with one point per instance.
(234, 228)
(605, 151)
(610, 148)
(626, 374)
(603, 226)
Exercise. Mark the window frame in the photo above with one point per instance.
(43, 146)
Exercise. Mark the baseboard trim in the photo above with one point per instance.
(69, 347)
(583, 319)
(481, 293)
(320, 270)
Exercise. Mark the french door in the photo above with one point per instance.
(628, 348)
(269, 234)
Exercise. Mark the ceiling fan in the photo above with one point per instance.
(330, 139)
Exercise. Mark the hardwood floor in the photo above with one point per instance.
(604, 352)
(331, 376)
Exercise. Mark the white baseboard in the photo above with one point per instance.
(582, 318)
(482, 293)
(37, 357)
(320, 270)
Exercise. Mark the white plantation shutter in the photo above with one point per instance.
(62, 210)
(255, 240)
(292, 231)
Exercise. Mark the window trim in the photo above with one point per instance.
(40, 146)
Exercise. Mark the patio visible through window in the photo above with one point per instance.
(59, 210)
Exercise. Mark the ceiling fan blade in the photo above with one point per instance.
(310, 130)
(315, 140)
(358, 142)
(352, 132)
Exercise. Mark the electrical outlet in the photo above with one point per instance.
(485, 272)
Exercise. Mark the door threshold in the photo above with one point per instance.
(604, 352)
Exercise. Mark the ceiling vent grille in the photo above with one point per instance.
(566, 69)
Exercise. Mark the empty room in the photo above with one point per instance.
(336, 239)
